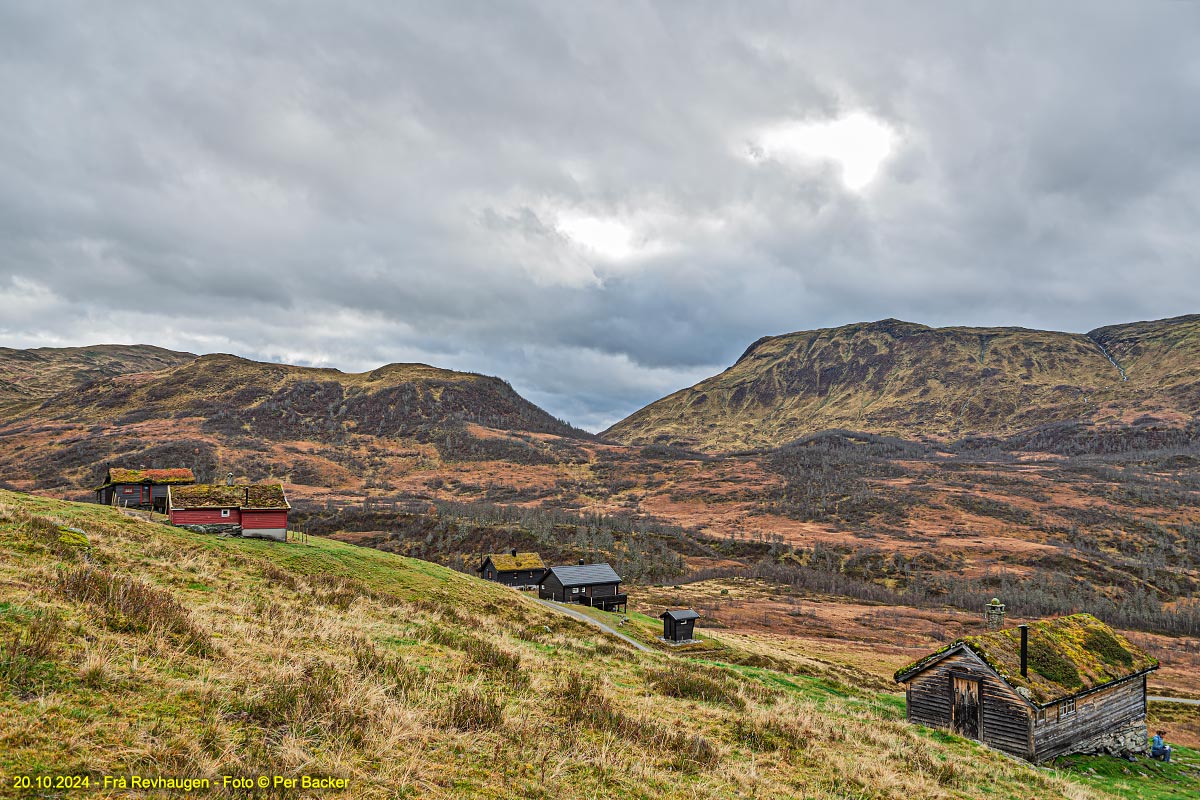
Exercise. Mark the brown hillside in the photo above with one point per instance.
(244, 415)
(30, 376)
(910, 380)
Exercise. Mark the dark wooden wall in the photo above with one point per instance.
(1095, 714)
(678, 631)
(525, 577)
(552, 586)
(1006, 718)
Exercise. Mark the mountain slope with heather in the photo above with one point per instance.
(913, 381)
(28, 377)
(221, 409)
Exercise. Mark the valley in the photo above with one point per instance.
(812, 540)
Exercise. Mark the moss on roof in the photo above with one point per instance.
(122, 475)
(506, 562)
(214, 495)
(1067, 655)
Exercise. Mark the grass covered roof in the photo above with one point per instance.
(123, 475)
(214, 495)
(1067, 655)
(507, 562)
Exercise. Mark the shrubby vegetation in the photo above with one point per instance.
(455, 534)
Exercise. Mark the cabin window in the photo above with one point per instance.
(1066, 708)
(127, 490)
(1041, 716)
(224, 512)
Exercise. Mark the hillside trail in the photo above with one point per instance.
(597, 623)
(1185, 700)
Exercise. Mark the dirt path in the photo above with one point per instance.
(1185, 700)
(585, 618)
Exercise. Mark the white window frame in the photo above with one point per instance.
(1066, 708)
(225, 512)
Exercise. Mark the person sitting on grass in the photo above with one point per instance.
(1159, 749)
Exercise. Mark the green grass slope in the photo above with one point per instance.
(904, 379)
(128, 647)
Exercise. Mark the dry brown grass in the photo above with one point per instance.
(409, 685)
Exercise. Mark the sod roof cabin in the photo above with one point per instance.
(1057, 686)
(141, 488)
(257, 510)
(512, 568)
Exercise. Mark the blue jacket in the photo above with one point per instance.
(1157, 743)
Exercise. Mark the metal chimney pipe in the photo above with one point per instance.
(1024, 650)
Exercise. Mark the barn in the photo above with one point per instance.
(141, 488)
(596, 585)
(1057, 686)
(257, 511)
(512, 568)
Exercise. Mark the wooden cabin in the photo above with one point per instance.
(595, 585)
(256, 511)
(1058, 686)
(678, 625)
(518, 570)
(141, 488)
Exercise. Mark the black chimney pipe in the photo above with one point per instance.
(1024, 650)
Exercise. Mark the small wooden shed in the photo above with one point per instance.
(678, 625)
(512, 568)
(1058, 686)
(141, 488)
(596, 585)
(256, 511)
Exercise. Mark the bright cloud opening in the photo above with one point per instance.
(608, 237)
(857, 142)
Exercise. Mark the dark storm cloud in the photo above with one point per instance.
(379, 182)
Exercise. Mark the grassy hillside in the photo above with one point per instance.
(133, 647)
(910, 380)
(29, 376)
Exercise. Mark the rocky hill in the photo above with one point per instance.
(28, 377)
(913, 381)
(229, 410)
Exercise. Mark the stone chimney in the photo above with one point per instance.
(229, 479)
(993, 614)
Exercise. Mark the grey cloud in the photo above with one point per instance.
(380, 182)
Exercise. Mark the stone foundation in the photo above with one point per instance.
(220, 530)
(1125, 741)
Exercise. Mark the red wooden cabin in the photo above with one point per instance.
(258, 510)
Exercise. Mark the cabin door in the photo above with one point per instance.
(964, 712)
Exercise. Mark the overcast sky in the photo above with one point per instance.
(600, 202)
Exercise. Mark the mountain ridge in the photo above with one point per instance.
(907, 379)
